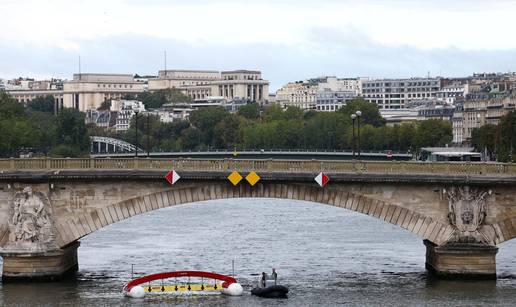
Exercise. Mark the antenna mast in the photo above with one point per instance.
(79, 67)
(165, 61)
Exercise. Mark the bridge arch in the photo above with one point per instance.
(428, 228)
(103, 144)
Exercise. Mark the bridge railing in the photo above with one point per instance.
(293, 166)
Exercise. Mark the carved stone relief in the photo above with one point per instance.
(30, 223)
(467, 212)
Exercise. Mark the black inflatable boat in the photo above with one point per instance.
(276, 291)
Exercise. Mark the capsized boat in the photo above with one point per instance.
(137, 288)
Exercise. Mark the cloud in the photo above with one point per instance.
(328, 52)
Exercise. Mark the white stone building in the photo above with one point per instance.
(300, 94)
(200, 84)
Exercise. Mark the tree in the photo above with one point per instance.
(293, 112)
(158, 98)
(433, 132)
(71, 132)
(206, 119)
(370, 113)
(484, 138)
(507, 138)
(9, 107)
(250, 111)
(190, 138)
(273, 112)
(105, 105)
(42, 104)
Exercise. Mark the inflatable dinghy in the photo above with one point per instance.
(275, 291)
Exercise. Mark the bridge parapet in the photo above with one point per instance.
(295, 166)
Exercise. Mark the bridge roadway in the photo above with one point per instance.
(263, 154)
(460, 210)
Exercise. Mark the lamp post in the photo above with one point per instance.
(136, 133)
(358, 113)
(148, 135)
(353, 117)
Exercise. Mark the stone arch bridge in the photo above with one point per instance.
(460, 210)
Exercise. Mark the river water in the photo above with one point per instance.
(327, 256)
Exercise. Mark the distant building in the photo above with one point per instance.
(335, 84)
(88, 91)
(481, 110)
(418, 111)
(457, 123)
(330, 101)
(450, 93)
(301, 94)
(397, 93)
(200, 84)
(125, 110)
(84, 92)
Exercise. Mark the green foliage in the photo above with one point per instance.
(42, 104)
(206, 119)
(105, 105)
(153, 100)
(65, 151)
(507, 138)
(9, 107)
(370, 113)
(250, 111)
(72, 130)
(433, 132)
(484, 138)
(273, 112)
(35, 129)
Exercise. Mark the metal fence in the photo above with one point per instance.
(294, 166)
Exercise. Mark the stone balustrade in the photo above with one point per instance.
(295, 166)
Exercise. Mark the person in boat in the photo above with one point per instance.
(262, 281)
(274, 276)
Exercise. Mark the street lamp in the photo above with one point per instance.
(148, 135)
(353, 117)
(136, 133)
(358, 113)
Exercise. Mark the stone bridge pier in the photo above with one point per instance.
(44, 214)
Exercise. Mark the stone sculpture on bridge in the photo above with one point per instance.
(467, 214)
(30, 226)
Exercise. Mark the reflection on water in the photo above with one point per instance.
(325, 255)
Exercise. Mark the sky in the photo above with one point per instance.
(287, 40)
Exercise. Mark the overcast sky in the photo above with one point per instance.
(286, 39)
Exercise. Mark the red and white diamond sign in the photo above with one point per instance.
(322, 179)
(172, 177)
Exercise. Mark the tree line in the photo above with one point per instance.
(497, 141)
(276, 128)
(33, 128)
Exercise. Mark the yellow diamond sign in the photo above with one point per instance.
(235, 177)
(252, 178)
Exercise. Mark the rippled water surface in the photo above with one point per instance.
(325, 255)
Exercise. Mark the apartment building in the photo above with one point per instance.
(330, 101)
(301, 94)
(397, 93)
(484, 109)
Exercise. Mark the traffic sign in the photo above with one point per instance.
(322, 179)
(172, 177)
(252, 178)
(234, 178)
